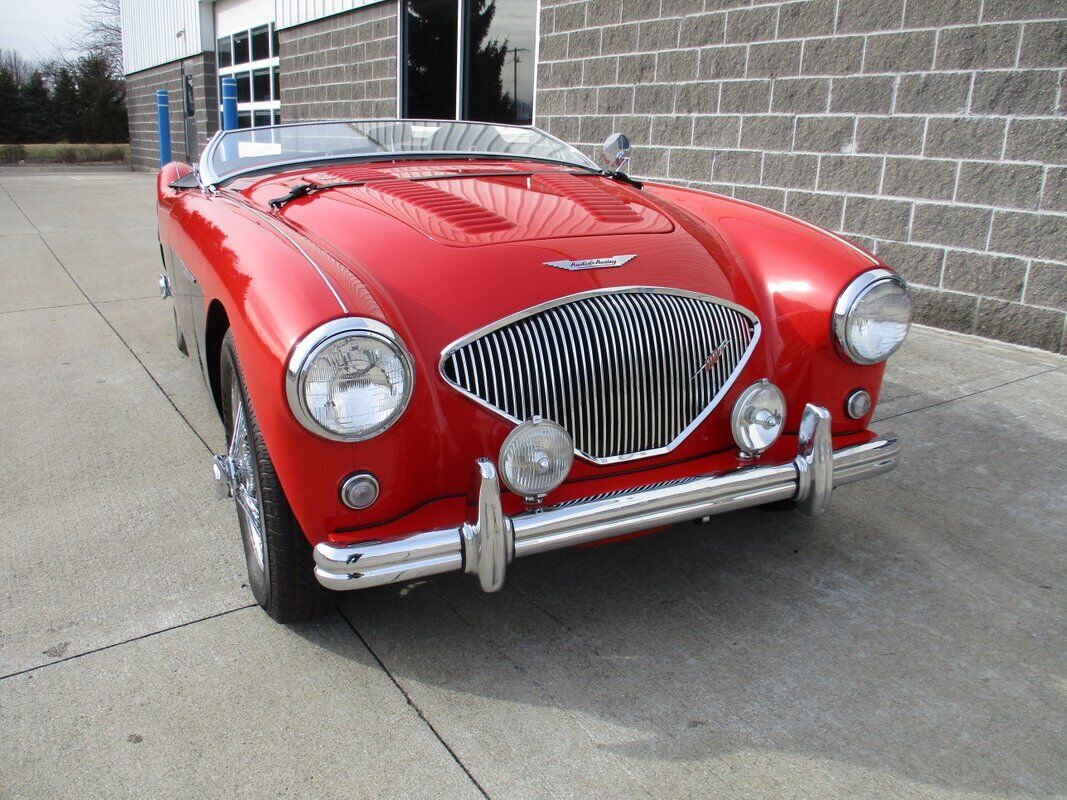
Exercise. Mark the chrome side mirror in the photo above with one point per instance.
(617, 152)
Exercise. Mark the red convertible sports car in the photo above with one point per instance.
(440, 345)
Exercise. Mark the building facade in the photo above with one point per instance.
(933, 133)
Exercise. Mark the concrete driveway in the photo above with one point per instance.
(913, 643)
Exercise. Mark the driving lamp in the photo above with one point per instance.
(872, 316)
(757, 418)
(349, 380)
(536, 458)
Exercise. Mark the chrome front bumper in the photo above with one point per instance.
(487, 542)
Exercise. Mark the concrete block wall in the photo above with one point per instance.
(141, 105)
(933, 132)
(341, 66)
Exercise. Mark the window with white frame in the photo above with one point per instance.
(251, 58)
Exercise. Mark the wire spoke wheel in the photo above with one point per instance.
(281, 565)
(246, 491)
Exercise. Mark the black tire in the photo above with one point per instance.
(285, 586)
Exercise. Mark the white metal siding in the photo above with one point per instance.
(149, 29)
(239, 15)
(297, 12)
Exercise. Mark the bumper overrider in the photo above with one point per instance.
(488, 540)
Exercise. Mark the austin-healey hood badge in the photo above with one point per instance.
(591, 263)
(713, 358)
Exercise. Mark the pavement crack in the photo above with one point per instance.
(965, 396)
(148, 635)
(411, 702)
(42, 308)
(107, 322)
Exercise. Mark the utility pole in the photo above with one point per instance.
(515, 60)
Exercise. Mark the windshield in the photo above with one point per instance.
(234, 152)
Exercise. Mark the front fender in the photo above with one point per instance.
(796, 270)
(272, 297)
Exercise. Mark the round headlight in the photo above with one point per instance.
(349, 379)
(758, 417)
(536, 458)
(872, 316)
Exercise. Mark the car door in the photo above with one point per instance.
(186, 290)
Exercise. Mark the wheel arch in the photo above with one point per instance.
(215, 327)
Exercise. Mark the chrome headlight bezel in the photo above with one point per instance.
(311, 345)
(846, 303)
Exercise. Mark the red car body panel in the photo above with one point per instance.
(438, 259)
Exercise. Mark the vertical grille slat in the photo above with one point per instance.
(688, 368)
(624, 371)
(665, 360)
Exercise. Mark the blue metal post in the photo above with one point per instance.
(229, 104)
(163, 119)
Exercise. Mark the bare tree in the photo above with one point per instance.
(15, 65)
(101, 31)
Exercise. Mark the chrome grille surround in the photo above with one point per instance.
(618, 368)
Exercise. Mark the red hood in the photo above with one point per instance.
(437, 259)
(464, 204)
(449, 254)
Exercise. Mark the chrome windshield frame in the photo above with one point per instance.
(208, 176)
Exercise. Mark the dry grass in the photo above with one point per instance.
(64, 153)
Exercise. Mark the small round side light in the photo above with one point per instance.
(858, 403)
(359, 490)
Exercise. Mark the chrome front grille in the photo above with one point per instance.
(623, 370)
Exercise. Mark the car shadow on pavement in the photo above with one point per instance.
(901, 640)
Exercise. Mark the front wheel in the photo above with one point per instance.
(278, 555)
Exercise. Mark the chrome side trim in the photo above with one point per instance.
(562, 327)
(485, 544)
(296, 245)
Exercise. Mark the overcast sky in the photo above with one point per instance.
(37, 28)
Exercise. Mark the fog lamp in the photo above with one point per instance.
(536, 458)
(359, 490)
(757, 418)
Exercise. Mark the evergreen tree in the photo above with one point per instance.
(11, 117)
(37, 122)
(486, 98)
(431, 32)
(66, 106)
(102, 107)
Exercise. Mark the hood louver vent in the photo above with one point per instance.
(590, 196)
(460, 214)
